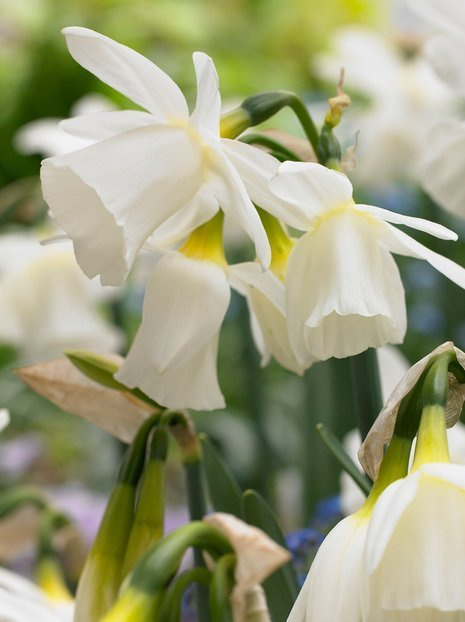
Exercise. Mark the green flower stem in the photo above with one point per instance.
(266, 141)
(170, 609)
(220, 588)
(156, 568)
(366, 389)
(337, 450)
(182, 428)
(393, 467)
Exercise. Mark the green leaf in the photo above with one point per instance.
(334, 445)
(224, 490)
(281, 587)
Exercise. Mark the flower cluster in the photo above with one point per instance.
(154, 177)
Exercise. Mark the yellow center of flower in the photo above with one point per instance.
(341, 210)
(280, 242)
(206, 242)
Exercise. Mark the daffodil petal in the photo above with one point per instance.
(128, 72)
(206, 115)
(444, 54)
(257, 168)
(192, 384)
(399, 242)
(101, 125)
(194, 214)
(352, 300)
(415, 540)
(443, 165)
(388, 509)
(251, 275)
(420, 224)
(332, 589)
(185, 303)
(232, 196)
(109, 197)
(311, 187)
(448, 16)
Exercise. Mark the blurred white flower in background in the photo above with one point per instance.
(442, 165)
(46, 303)
(22, 601)
(403, 96)
(47, 136)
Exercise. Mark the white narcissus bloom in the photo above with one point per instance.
(332, 589)
(46, 303)
(343, 289)
(22, 601)
(442, 164)
(146, 167)
(47, 137)
(173, 356)
(265, 297)
(404, 96)
(415, 547)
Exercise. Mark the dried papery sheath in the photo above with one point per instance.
(372, 449)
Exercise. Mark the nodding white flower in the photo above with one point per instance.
(404, 95)
(264, 294)
(173, 356)
(343, 288)
(146, 167)
(415, 546)
(332, 589)
(47, 305)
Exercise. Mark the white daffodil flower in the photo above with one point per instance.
(264, 294)
(22, 601)
(343, 289)
(47, 137)
(404, 96)
(442, 163)
(46, 304)
(147, 166)
(415, 546)
(331, 592)
(173, 356)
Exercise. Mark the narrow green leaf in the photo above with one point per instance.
(224, 490)
(335, 447)
(281, 587)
